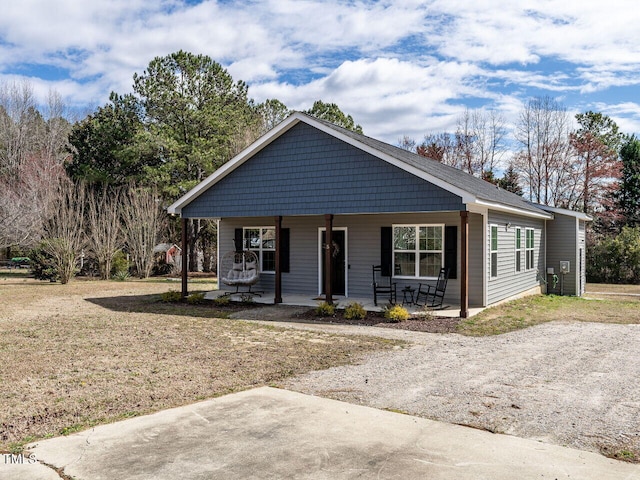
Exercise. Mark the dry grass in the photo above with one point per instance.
(72, 356)
(538, 309)
(629, 293)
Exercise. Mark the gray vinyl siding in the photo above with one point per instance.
(476, 267)
(308, 172)
(561, 238)
(509, 282)
(582, 244)
(363, 251)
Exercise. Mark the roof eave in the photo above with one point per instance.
(517, 211)
(564, 211)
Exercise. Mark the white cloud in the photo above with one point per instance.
(399, 67)
(503, 31)
(625, 114)
(389, 97)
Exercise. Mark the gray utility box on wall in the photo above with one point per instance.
(565, 266)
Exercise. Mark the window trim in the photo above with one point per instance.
(529, 250)
(260, 250)
(518, 250)
(416, 250)
(492, 274)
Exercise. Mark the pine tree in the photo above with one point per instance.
(629, 191)
(510, 181)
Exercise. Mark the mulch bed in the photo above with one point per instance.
(430, 324)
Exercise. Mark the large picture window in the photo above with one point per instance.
(418, 250)
(529, 242)
(494, 251)
(262, 241)
(518, 249)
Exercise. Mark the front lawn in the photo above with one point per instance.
(90, 352)
(538, 309)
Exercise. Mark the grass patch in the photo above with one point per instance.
(90, 352)
(537, 309)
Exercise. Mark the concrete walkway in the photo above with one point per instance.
(271, 433)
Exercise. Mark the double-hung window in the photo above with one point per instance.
(418, 250)
(494, 251)
(518, 249)
(262, 241)
(529, 242)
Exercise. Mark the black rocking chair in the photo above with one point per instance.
(434, 294)
(386, 289)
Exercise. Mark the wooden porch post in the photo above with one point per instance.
(278, 279)
(464, 264)
(185, 258)
(328, 271)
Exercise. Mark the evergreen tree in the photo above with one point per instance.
(196, 113)
(595, 145)
(628, 195)
(332, 113)
(510, 181)
(110, 146)
(272, 112)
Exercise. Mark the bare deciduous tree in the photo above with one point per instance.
(476, 147)
(490, 131)
(407, 143)
(19, 125)
(465, 139)
(545, 157)
(32, 152)
(25, 200)
(440, 147)
(141, 217)
(64, 230)
(104, 236)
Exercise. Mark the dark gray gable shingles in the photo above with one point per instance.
(308, 172)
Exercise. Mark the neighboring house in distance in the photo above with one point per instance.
(308, 179)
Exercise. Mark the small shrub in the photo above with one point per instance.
(195, 299)
(325, 309)
(119, 263)
(396, 313)
(246, 298)
(222, 301)
(121, 275)
(163, 269)
(171, 296)
(355, 311)
(43, 265)
(425, 313)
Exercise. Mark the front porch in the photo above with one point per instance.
(450, 310)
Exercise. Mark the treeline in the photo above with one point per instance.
(185, 118)
(585, 164)
(70, 188)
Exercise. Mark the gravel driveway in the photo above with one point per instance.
(572, 384)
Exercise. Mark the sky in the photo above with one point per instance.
(404, 67)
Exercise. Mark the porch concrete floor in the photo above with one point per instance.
(266, 298)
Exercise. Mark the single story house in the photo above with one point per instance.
(310, 197)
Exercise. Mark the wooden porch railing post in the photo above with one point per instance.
(328, 270)
(278, 279)
(185, 258)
